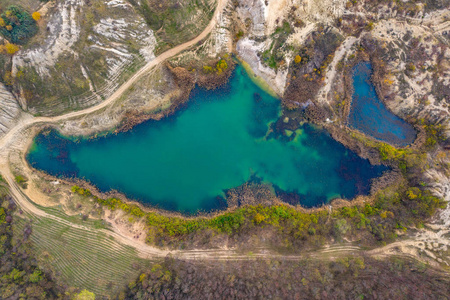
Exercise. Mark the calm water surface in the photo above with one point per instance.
(219, 141)
(369, 115)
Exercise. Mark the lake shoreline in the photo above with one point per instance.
(122, 196)
(378, 72)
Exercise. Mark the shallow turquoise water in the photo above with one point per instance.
(219, 141)
(368, 114)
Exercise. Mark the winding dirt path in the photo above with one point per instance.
(28, 120)
(18, 133)
(12, 140)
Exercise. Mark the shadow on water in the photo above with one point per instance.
(216, 142)
(369, 115)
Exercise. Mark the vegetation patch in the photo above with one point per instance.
(82, 259)
(20, 277)
(174, 21)
(274, 56)
(354, 277)
(307, 72)
(17, 25)
(393, 209)
(22, 181)
(220, 66)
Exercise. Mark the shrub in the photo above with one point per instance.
(9, 48)
(2, 215)
(36, 276)
(389, 152)
(85, 295)
(411, 67)
(20, 179)
(207, 69)
(222, 64)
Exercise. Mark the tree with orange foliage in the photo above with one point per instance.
(36, 16)
(298, 59)
(9, 27)
(11, 48)
(2, 22)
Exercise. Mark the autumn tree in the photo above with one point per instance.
(11, 48)
(221, 65)
(297, 59)
(36, 16)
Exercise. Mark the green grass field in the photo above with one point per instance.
(85, 259)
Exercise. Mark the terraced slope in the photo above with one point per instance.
(85, 50)
(83, 258)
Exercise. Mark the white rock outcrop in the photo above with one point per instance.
(248, 50)
(9, 110)
(62, 33)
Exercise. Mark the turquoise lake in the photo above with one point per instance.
(369, 115)
(219, 140)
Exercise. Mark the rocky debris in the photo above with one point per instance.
(440, 185)
(418, 64)
(88, 49)
(325, 12)
(117, 32)
(248, 50)
(221, 40)
(63, 32)
(253, 14)
(9, 110)
(118, 3)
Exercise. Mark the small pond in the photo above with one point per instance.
(369, 115)
(220, 140)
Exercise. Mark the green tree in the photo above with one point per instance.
(19, 25)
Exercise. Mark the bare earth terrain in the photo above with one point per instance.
(250, 29)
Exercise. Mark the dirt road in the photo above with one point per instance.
(18, 133)
(15, 137)
(28, 120)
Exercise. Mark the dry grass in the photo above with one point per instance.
(82, 258)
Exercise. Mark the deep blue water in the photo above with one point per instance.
(369, 115)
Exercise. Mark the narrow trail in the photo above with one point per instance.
(17, 133)
(9, 142)
(149, 252)
(28, 120)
